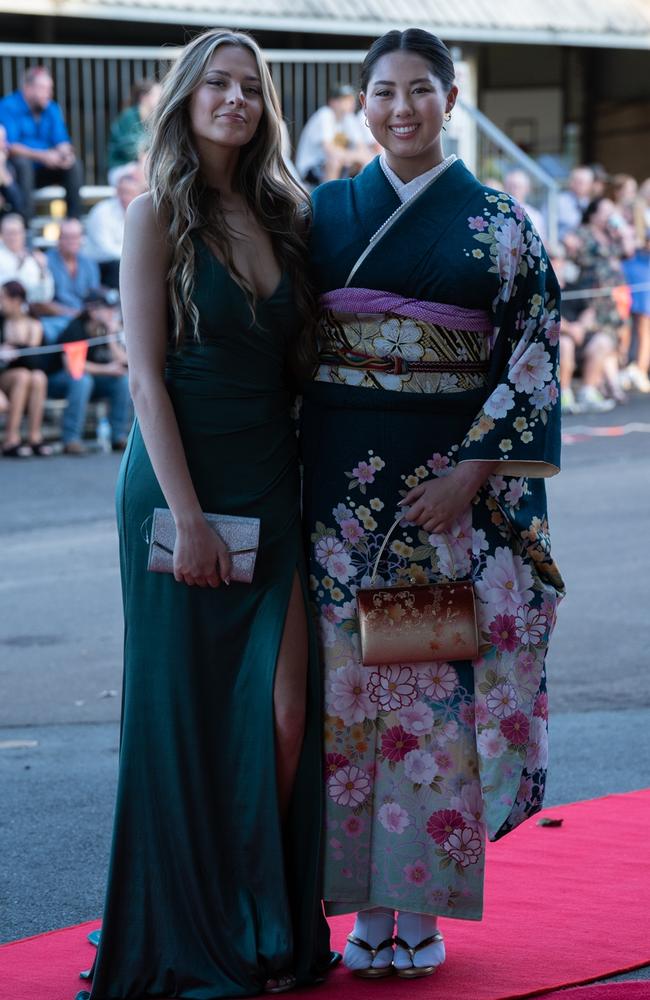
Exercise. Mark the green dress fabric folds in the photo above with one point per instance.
(206, 898)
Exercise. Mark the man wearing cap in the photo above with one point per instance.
(333, 143)
(104, 375)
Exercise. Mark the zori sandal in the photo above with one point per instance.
(412, 971)
(372, 972)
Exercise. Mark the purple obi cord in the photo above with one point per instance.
(370, 300)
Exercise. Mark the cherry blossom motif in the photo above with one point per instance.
(437, 680)
(400, 337)
(506, 582)
(516, 490)
(392, 687)
(464, 846)
(499, 402)
(417, 718)
(503, 633)
(502, 701)
(532, 369)
(531, 626)
(454, 547)
(478, 223)
(449, 732)
(444, 761)
(396, 743)
(340, 567)
(541, 705)
(420, 767)
(348, 695)
(537, 750)
(417, 873)
(342, 513)
(525, 790)
(491, 743)
(508, 237)
(438, 463)
(516, 728)
(470, 804)
(479, 541)
(526, 662)
(364, 473)
(467, 714)
(441, 824)
(332, 613)
(481, 713)
(393, 818)
(353, 826)
(332, 555)
(334, 762)
(328, 547)
(349, 787)
(351, 530)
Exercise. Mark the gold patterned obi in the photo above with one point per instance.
(375, 339)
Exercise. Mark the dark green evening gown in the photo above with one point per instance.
(204, 900)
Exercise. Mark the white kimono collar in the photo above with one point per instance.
(405, 190)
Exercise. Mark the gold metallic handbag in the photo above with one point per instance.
(240, 534)
(416, 624)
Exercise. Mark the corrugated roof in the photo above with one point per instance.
(578, 21)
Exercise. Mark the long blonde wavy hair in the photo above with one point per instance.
(187, 206)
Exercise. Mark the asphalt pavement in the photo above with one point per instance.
(61, 648)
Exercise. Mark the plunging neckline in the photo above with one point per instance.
(262, 300)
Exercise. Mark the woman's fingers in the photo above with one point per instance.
(224, 565)
(416, 512)
(413, 494)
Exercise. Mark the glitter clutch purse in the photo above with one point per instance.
(241, 535)
(416, 624)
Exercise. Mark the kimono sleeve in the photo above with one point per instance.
(519, 423)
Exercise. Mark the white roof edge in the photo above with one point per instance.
(334, 27)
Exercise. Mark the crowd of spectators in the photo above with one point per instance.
(66, 297)
(603, 263)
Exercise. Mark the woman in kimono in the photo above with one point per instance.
(435, 391)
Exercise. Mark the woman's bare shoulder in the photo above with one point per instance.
(143, 221)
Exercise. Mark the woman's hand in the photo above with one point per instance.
(438, 503)
(201, 558)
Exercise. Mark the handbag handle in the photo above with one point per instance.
(389, 535)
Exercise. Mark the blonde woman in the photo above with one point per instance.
(214, 886)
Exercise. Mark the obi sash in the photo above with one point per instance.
(373, 338)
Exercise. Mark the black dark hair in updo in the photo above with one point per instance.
(421, 43)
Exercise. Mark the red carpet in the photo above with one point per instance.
(632, 990)
(564, 905)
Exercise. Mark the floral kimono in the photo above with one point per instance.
(438, 345)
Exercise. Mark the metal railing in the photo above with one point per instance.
(496, 155)
(92, 85)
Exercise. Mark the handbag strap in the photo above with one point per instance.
(389, 535)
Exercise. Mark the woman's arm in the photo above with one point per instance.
(199, 556)
(438, 503)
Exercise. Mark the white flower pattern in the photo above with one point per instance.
(426, 758)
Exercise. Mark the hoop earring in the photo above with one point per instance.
(365, 118)
(448, 116)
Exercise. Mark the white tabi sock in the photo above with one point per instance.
(413, 928)
(372, 926)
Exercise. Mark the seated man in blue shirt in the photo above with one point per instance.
(75, 275)
(39, 145)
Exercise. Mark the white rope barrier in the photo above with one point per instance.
(11, 352)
